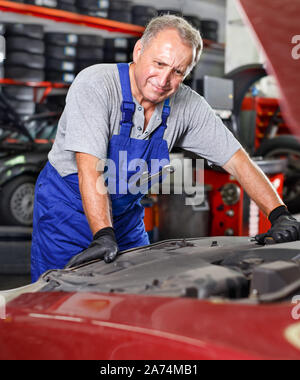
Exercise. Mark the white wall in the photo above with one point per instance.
(241, 47)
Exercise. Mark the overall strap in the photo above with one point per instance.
(160, 131)
(128, 106)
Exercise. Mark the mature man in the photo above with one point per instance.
(142, 110)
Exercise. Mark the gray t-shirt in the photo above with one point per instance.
(92, 116)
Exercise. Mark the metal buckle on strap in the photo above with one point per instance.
(128, 109)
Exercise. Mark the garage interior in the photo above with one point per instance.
(46, 43)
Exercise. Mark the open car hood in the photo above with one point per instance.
(275, 24)
(235, 269)
(209, 298)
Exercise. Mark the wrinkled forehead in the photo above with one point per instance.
(169, 40)
(168, 35)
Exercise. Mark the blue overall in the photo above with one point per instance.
(60, 227)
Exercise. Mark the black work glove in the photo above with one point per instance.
(103, 247)
(285, 228)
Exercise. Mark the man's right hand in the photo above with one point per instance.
(104, 247)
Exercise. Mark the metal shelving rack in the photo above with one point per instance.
(75, 19)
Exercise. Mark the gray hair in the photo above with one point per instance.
(187, 32)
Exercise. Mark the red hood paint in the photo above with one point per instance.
(120, 327)
(276, 26)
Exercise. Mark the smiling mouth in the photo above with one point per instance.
(159, 89)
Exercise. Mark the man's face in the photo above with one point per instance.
(161, 66)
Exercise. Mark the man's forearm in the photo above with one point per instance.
(95, 199)
(254, 182)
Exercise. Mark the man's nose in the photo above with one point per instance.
(165, 77)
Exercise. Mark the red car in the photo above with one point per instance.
(210, 298)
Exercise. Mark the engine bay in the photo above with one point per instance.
(235, 269)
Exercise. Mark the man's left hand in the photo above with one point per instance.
(285, 228)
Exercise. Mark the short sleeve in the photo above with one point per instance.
(206, 135)
(87, 120)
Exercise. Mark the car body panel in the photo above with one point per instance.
(276, 27)
(116, 326)
(138, 308)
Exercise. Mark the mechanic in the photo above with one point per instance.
(143, 110)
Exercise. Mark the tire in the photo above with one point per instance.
(122, 16)
(83, 64)
(43, 3)
(24, 74)
(57, 77)
(19, 93)
(2, 29)
(143, 10)
(31, 61)
(286, 146)
(60, 65)
(69, 2)
(281, 143)
(120, 5)
(195, 21)
(211, 25)
(61, 52)
(92, 4)
(96, 13)
(16, 202)
(210, 35)
(23, 108)
(67, 7)
(25, 30)
(117, 44)
(141, 20)
(90, 54)
(61, 39)
(116, 57)
(90, 40)
(28, 45)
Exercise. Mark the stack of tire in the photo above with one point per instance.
(67, 54)
(61, 54)
(42, 3)
(141, 15)
(94, 8)
(120, 10)
(67, 5)
(210, 29)
(117, 50)
(195, 21)
(25, 61)
(90, 51)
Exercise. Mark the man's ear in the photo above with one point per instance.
(137, 51)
